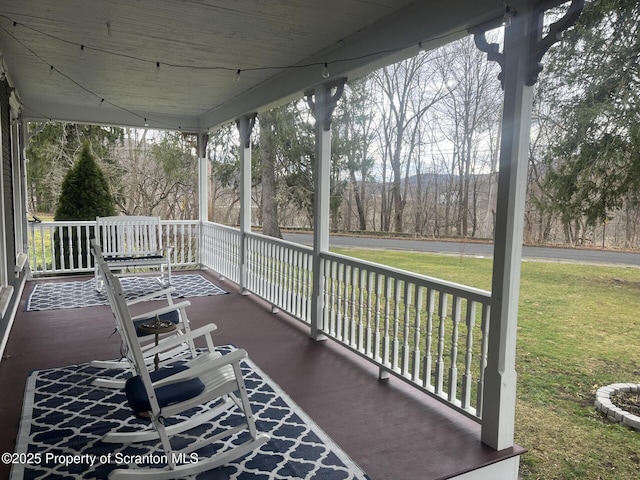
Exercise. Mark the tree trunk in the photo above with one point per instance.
(270, 224)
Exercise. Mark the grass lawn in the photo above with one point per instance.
(578, 329)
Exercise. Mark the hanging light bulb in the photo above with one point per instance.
(146, 124)
(157, 69)
(101, 102)
(109, 29)
(508, 15)
(13, 27)
(81, 54)
(325, 71)
(237, 79)
(51, 69)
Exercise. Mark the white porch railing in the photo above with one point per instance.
(220, 250)
(63, 247)
(280, 272)
(431, 333)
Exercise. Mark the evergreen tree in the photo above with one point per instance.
(85, 196)
(592, 83)
(52, 151)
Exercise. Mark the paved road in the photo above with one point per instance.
(477, 249)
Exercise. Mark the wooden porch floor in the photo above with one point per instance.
(390, 430)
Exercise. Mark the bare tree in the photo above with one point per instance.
(406, 94)
(467, 112)
(354, 128)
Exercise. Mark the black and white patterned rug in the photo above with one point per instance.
(54, 295)
(64, 418)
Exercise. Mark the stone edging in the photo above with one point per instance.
(613, 412)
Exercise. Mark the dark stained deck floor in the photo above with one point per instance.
(390, 430)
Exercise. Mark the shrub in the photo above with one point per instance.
(85, 195)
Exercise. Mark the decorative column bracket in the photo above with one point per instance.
(245, 136)
(330, 101)
(538, 45)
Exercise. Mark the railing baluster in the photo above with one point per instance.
(406, 348)
(442, 314)
(467, 378)
(417, 334)
(361, 310)
(290, 284)
(295, 284)
(397, 290)
(341, 284)
(332, 267)
(428, 355)
(264, 292)
(369, 333)
(75, 257)
(453, 369)
(326, 311)
(346, 322)
(354, 309)
(376, 332)
(309, 284)
(387, 301)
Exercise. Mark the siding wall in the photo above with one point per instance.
(7, 179)
(9, 238)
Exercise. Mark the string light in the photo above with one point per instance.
(218, 67)
(325, 71)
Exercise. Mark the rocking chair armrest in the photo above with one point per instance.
(166, 309)
(168, 343)
(195, 371)
(152, 295)
(166, 251)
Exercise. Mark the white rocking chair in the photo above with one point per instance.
(174, 389)
(172, 312)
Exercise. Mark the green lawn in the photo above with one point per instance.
(578, 329)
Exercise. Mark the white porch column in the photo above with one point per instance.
(203, 178)
(203, 186)
(322, 100)
(523, 49)
(245, 126)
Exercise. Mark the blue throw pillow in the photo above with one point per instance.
(166, 395)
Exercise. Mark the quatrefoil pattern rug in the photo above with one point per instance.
(73, 294)
(64, 414)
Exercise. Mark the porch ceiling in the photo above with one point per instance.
(280, 46)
